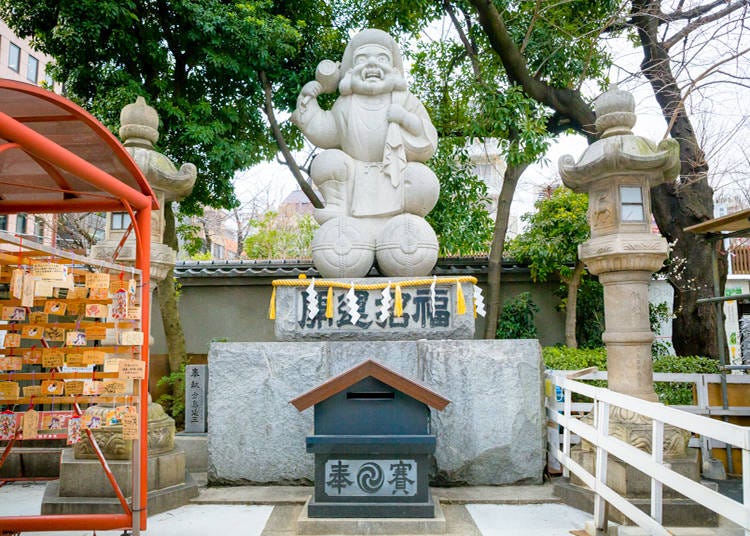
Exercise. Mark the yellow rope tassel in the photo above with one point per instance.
(398, 306)
(329, 303)
(475, 306)
(272, 305)
(460, 302)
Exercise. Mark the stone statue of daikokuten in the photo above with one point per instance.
(371, 173)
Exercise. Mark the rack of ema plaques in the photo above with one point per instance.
(70, 337)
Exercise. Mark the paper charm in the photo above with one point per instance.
(432, 294)
(16, 283)
(30, 426)
(352, 306)
(119, 308)
(74, 430)
(479, 301)
(311, 300)
(7, 426)
(27, 290)
(91, 421)
(385, 306)
(130, 426)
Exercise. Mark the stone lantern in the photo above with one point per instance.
(139, 131)
(617, 172)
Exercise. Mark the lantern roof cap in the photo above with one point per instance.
(619, 151)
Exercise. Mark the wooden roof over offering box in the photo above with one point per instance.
(364, 370)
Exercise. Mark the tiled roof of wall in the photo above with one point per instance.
(293, 268)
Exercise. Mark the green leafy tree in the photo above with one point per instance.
(280, 238)
(517, 318)
(460, 218)
(549, 244)
(215, 70)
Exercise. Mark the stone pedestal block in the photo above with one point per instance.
(626, 480)
(35, 462)
(386, 526)
(492, 433)
(86, 478)
(84, 488)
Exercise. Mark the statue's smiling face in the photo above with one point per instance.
(373, 67)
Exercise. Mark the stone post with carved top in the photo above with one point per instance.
(618, 171)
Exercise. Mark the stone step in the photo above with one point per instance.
(281, 495)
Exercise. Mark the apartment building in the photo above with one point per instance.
(19, 61)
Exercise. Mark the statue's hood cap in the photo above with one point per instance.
(371, 36)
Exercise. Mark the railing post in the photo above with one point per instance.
(601, 422)
(567, 410)
(746, 482)
(657, 454)
(553, 429)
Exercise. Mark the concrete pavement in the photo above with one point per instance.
(273, 511)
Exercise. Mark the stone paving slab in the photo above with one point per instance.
(290, 495)
(282, 522)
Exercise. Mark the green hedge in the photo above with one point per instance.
(564, 358)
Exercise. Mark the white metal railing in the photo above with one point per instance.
(652, 465)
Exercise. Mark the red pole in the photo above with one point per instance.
(17, 524)
(67, 205)
(143, 263)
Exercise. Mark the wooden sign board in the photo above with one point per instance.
(132, 369)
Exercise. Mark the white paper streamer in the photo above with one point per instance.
(385, 307)
(479, 301)
(351, 303)
(312, 301)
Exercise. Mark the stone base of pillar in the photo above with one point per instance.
(83, 487)
(626, 480)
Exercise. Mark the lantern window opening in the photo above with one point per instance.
(631, 204)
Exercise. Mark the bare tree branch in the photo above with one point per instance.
(697, 23)
(283, 147)
(697, 11)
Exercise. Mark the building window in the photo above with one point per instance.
(4, 222)
(631, 203)
(21, 223)
(217, 251)
(48, 81)
(39, 229)
(14, 57)
(120, 221)
(32, 69)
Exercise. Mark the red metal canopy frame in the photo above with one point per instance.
(55, 157)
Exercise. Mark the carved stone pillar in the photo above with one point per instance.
(617, 172)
